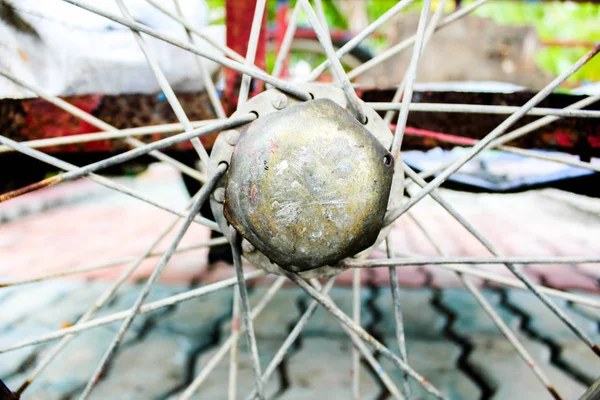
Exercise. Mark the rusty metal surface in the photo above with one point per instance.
(35, 118)
(569, 135)
(308, 186)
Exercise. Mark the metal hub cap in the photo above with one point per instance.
(307, 185)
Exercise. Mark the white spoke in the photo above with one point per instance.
(510, 265)
(181, 19)
(525, 129)
(364, 335)
(96, 178)
(353, 101)
(206, 78)
(252, 71)
(404, 262)
(252, 47)
(356, 40)
(146, 308)
(433, 23)
(135, 310)
(236, 244)
(233, 355)
(108, 264)
(163, 129)
(356, 318)
(392, 51)
(486, 109)
(98, 123)
(411, 75)
(165, 86)
(75, 173)
(286, 44)
(229, 343)
(494, 316)
(499, 130)
(100, 302)
(359, 345)
(398, 322)
(293, 335)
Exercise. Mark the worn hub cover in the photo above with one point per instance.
(308, 185)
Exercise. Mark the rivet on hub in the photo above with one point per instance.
(232, 136)
(279, 101)
(247, 246)
(219, 194)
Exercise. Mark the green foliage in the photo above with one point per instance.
(564, 21)
(554, 21)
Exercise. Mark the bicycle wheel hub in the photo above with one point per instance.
(307, 185)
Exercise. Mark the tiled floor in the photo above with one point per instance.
(451, 341)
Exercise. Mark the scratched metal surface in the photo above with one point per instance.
(303, 198)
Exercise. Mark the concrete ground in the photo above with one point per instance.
(450, 340)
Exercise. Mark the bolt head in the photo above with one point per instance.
(247, 246)
(232, 136)
(279, 101)
(219, 194)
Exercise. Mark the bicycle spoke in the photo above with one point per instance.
(347, 321)
(510, 265)
(406, 43)
(494, 316)
(98, 123)
(236, 243)
(411, 75)
(286, 43)
(108, 264)
(252, 71)
(165, 86)
(291, 338)
(543, 121)
(364, 350)
(510, 282)
(206, 78)
(499, 130)
(525, 129)
(251, 51)
(146, 308)
(398, 323)
(431, 25)
(356, 40)
(79, 172)
(233, 355)
(181, 19)
(202, 197)
(405, 262)
(463, 141)
(353, 101)
(297, 330)
(100, 302)
(48, 159)
(162, 129)
(355, 368)
(484, 109)
(230, 342)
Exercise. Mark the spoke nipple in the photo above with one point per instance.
(280, 101)
(247, 246)
(219, 194)
(232, 136)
